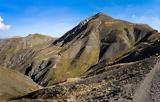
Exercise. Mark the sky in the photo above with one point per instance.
(55, 17)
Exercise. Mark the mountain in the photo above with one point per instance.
(101, 59)
(19, 53)
(102, 40)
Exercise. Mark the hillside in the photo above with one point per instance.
(131, 82)
(18, 53)
(14, 84)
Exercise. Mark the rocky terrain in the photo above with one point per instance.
(101, 59)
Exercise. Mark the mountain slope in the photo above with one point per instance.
(102, 40)
(95, 43)
(22, 52)
(117, 83)
(14, 84)
(23, 45)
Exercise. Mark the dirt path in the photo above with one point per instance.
(149, 90)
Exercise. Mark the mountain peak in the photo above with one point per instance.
(102, 16)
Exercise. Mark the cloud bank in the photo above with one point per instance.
(3, 26)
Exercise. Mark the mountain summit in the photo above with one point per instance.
(103, 41)
(101, 59)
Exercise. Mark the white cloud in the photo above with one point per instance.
(3, 26)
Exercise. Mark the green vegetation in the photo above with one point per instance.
(66, 69)
(13, 83)
(38, 36)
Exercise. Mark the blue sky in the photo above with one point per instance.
(55, 17)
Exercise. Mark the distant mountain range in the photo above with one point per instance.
(101, 59)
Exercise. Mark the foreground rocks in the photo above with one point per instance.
(118, 83)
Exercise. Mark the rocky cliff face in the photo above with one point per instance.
(102, 58)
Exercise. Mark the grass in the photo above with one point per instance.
(37, 36)
(65, 69)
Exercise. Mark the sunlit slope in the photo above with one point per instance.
(13, 84)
